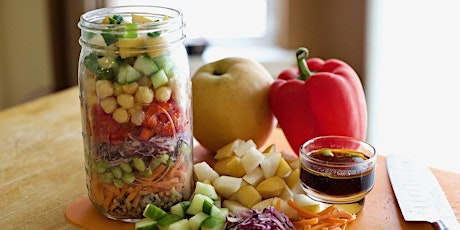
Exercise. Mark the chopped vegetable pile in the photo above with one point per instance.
(136, 118)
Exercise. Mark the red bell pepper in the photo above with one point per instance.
(318, 98)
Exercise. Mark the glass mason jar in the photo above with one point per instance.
(135, 94)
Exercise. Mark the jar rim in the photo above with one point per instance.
(91, 21)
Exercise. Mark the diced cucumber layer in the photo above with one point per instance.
(198, 213)
(159, 78)
(146, 224)
(213, 223)
(154, 212)
(145, 65)
(127, 74)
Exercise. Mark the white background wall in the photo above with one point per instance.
(415, 80)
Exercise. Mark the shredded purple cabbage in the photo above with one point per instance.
(269, 218)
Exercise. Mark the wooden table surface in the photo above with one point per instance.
(42, 169)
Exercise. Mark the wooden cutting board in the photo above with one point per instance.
(380, 211)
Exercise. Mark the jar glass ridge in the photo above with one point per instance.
(135, 95)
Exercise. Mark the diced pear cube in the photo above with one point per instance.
(204, 172)
(156, 46)
(283, 169)
(287, 194)
(254, 177)
(227, 150)
(139, 19)
(227, 185)
(244, 147)
(252, 159)
(270, 164)
(248, 196)
(271, 187)
(293, 178)
(221, 167)
(263, 204)
(130, 47)
(234, 206)
(271, 148)
(231, 166)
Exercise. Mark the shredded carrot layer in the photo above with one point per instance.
(331, 218)
(161, 182)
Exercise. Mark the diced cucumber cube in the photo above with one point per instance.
(146, 224)
(154, 212)
(220, 213)
(197, 203)
(167, 221)
(208, 206)
(109, 38)
(173, 72)
(107, 62)
(159, 78)
(206, 189)
(213, 223)
(180, 208)
(179, 225)
(164, 62)
(127, 74)
(195, 221)
(145, 65)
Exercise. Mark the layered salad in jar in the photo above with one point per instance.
(136, 110)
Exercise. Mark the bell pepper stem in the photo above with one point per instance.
(302, 54)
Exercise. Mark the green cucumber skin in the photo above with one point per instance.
(145, 65)
(179, 225)
(213, 223)
(154, 212)
(146, 224)
(159, 78)
(127, 74)
(196, 204)
(207, 190)
(164, 62)
(168, 220)
(196, 220)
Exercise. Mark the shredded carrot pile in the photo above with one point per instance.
(331, 218)
(162, 180)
